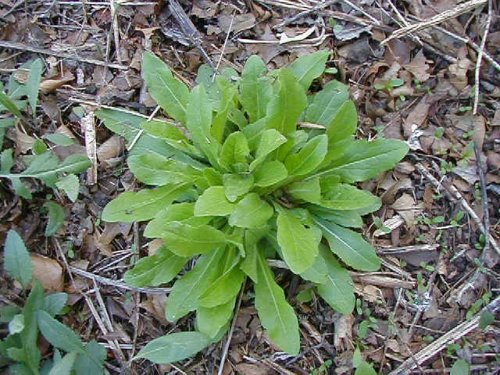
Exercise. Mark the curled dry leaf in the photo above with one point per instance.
(419, 67)
(110, 149)
(458, 73)
(408, 209)
(52, 84)
(49, 272)
(343, 333)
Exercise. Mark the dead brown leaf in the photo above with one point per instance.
(49, 272)
(419, 67)
(408, 209)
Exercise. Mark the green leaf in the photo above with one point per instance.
(33, 82)
(56, 216)
(187, 290)
(46, 167)
(29, 335)
(296, 140)
(308, 158)
(318, 271)
(347, 197)
(54, 303)
(65, 365)
(224, 289)
(255, 91)
(17, 261)
(174, 347)
(92, 361)
(364, 368)
(182, 212)
(155, 269)
(171, 94)
(363, 160)
(70, 185)
(234, 151)
(309, 67)
(199, 121)
(270, 173)
(275, 314)
(327, 103)
(237, 185)
(6, 161)
(213, 202)
(186, 240)
(210, 320)
(251, 212)
(270, 140)
(20, 188)
(143, 205)
(59, 139)
(298, 244)
(226, 92)
(485, 319)
(59, 335)
(349, 246)
(349, 219)
(309, 190)
(338, 288)
(343, 125)
(154, 169)
(460, 367)
(9, 105)
(287, 105)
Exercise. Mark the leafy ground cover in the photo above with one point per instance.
(68, 67)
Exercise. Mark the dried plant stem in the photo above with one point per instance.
(480, 57)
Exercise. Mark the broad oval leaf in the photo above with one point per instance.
(363, 160)
(347, 197)
(170, 93)
(299, 245)
(154, 169)
(234, 151)
(327, 103)
(174, 347)
(175, 212)
(210, 320)
(270, 173)
(255, 91)
(287, 105)
(309, 67)
(269, 140)
(308, 190)
(55, 219)
(338, 289)
(349, 246)
(143, 205)
(343, 125)
(59, 335)
(17, 261)
(155, 269)
(251, 212)
(187, 290)
(309, 157)
(275, 314)
(65, 365)
(213, 202)
(237, 185)
(186, 240)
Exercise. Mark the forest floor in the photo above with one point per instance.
(424, 72)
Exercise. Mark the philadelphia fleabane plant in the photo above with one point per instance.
(247, 169)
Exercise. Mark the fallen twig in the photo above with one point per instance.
(62, 55)
(480, 57)
(441, 17)
(434, 348)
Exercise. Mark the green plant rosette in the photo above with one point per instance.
(252, 168)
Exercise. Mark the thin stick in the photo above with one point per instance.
(305, 13)
(116, 283)
(231, 331)
(450, 13)
(484, 196)
(480, 58)
(139, 133)
(434, 348)
(62, 55)
(224, 46)
(455, 195)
